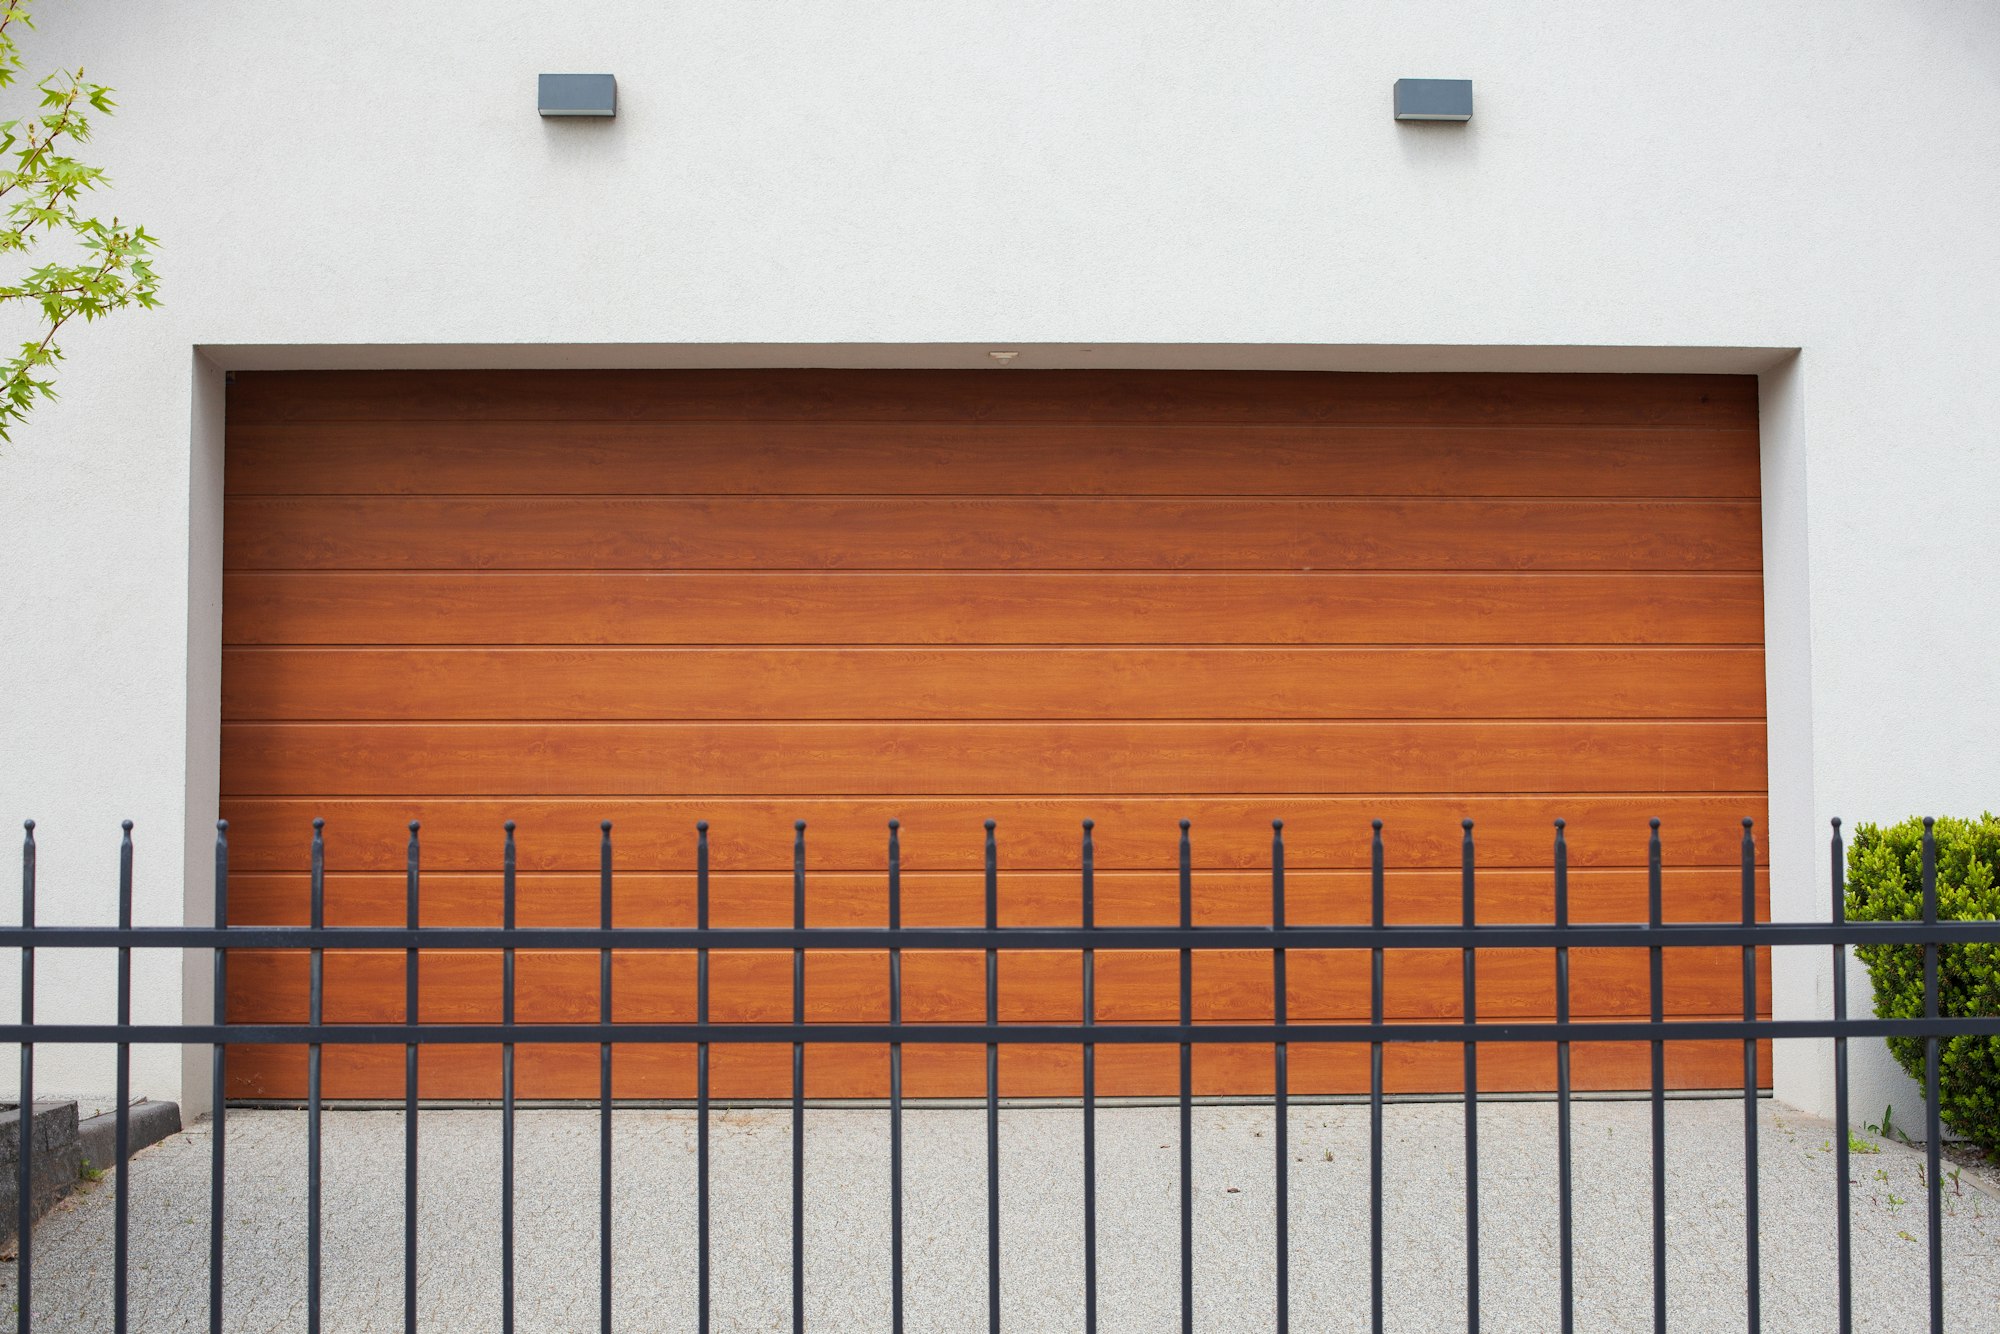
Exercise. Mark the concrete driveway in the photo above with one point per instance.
(847, 1222)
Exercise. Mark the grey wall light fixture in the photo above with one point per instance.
(577, 95)
(1433, 99)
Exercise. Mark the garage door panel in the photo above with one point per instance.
(674, 533)
(1135, 597)
(449, 759)
(957, 898)
(476, 684)
(929, 607)
(503, 458)
(1014, 394)
(949, 986)
(883, 758)
(938, 1071)
(944, 833)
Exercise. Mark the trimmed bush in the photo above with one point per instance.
(1885, 884)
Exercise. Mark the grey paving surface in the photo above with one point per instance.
(847, 1223)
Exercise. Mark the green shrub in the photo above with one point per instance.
(1885, 884)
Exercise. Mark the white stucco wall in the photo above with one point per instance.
(1121, 183)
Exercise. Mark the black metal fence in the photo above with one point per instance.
(1274, 937)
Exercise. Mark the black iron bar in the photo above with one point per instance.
(992, 1086)
(1187, 1086)
(24, 1221)
(1469, 911)
(121, 1224)
(507, 1089)
(604, 1088)
(1036, 1034)
(412, 871)
(1281, 1112)
(1089, 1086)
(1565, 1202)
(1377, 903)
(1257, 937)
(315, 1015)
(1842, 1223)
(218, 1093)
(701, 1076)
(1934, 1197)
(799, 1082)
(895, 1083)
(1659, 1071)
(1753, 1270)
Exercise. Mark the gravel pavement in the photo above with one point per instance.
(1042, 1273)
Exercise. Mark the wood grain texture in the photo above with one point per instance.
(895, 533)
(949, 987)
(1005, 759)
(988, 396)
(501, 458)
(928, 607)
(956, 898)
(748, 1072)
(749, 597)
(846, 833)
(480, 684)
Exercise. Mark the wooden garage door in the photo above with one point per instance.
(750, 597)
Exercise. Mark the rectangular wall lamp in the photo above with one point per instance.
(1433, 99)
(578, 95)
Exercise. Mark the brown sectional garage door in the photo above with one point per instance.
(749, 597)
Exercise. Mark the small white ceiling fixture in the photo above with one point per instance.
(1003, 357)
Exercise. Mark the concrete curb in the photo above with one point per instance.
(150, 1122)
(53, 1155)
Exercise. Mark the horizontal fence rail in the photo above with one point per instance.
(1275, 937)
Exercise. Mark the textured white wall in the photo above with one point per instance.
(1226, 179)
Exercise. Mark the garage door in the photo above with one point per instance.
(753, 597)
